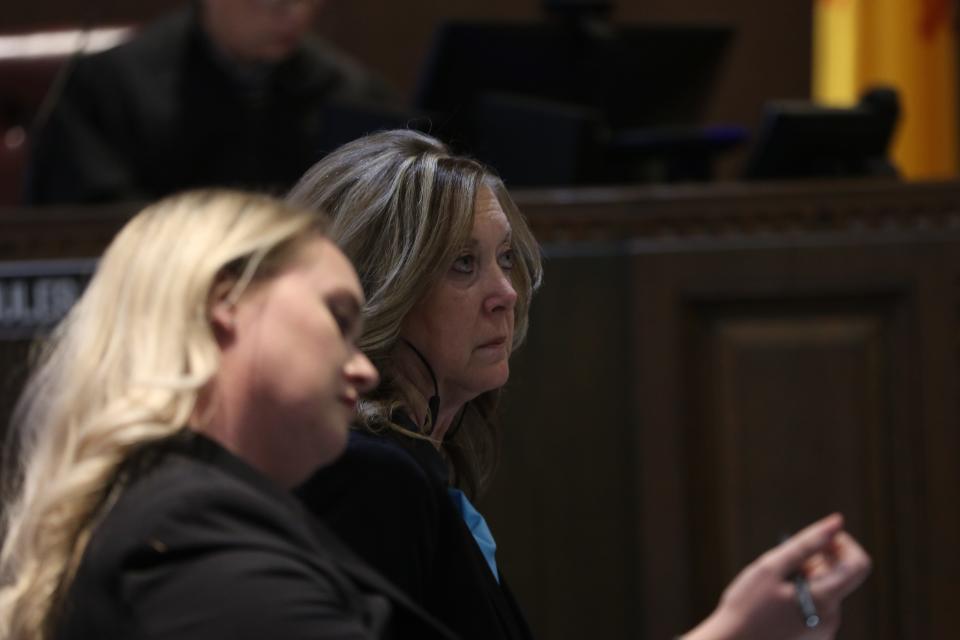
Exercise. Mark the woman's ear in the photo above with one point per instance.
(223, 312)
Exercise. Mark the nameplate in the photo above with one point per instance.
(36, 294)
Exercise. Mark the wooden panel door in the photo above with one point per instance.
(778, 383)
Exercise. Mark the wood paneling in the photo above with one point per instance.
(562, 493)
(791, 401)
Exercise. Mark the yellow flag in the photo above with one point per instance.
(907, 44)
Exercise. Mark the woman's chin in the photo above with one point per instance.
(494, 378)
(333, 444)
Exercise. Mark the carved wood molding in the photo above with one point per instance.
(740, 210)
(722, 211)
(60, 232)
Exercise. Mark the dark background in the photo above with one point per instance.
(769, 58)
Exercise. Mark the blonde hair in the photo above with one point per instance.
(123, 371)
(402, 206)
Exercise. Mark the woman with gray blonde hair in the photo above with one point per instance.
(449, 266)
(402, 208)
(210, 366)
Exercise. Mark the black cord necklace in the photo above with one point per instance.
(434, 402)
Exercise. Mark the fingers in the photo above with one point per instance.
(791, 555)
(770, 597)
(844, 572)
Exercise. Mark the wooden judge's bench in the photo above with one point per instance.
(707, 368)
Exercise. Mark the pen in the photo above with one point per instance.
(804, 598)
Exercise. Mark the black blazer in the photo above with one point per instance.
(199, 545)
(387, 498)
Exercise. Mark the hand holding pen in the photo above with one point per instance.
(793, 591)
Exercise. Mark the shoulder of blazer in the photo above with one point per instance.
(182, 501)
(376, 482)
(199, 494)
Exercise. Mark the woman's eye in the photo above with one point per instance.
(344, 322)
(505, 259)
(464, 264)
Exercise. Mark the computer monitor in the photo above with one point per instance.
(542, 101)
(343, 123)
(805, 140)
(636, 75)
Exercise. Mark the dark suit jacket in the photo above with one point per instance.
(387, 497)
(164, 112)
(199, 545)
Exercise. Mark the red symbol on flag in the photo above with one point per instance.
(936, 14)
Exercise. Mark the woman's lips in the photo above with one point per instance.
(496, 343)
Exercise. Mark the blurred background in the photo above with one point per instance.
(750, 317)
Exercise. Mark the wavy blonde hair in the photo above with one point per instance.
(402, 207)
(121, 372)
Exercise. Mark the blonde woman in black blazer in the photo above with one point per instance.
(209, 367)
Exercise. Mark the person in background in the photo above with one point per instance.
(209, 367)
(449, 266)
(223, 93)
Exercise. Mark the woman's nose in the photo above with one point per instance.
(502, 296)
(361, 373)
